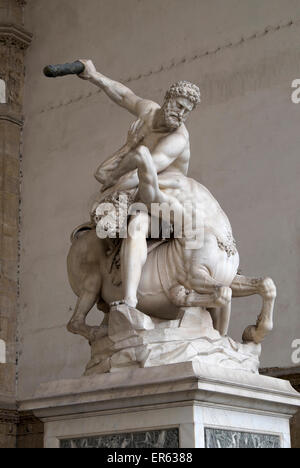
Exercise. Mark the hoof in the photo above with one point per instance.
(250, 335)
(74, 327)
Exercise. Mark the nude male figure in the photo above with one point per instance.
(159, 130)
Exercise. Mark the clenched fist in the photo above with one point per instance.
(89, 71)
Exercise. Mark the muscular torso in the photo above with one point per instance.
(154, 137)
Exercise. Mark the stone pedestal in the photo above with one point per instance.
(179, 405)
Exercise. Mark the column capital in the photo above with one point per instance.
(15, 35)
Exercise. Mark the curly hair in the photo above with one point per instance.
(184, 89)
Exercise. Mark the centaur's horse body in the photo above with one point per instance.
(174, 276)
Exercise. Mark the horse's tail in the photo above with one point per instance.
(88, 226)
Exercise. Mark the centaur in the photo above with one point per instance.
(152, 168)
(174, 275)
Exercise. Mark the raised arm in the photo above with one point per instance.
(116, 91)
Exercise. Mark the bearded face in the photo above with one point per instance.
(176, 111)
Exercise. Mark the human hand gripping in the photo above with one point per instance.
(89, 70)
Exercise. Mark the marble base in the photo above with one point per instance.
(186, 405)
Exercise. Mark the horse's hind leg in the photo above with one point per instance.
(87, 299)
(183, 297)
(243, 286)
(205, 291)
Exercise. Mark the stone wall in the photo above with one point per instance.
(8, 428)
(30, 431)
(13, 42)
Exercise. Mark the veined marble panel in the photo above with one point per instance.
(168, 438)
(221, 438)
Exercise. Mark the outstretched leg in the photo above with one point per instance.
(243, 286)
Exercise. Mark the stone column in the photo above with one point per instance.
(14, 41)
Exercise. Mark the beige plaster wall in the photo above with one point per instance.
(245, 147)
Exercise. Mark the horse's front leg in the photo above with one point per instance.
(243, 286)
(88, 297)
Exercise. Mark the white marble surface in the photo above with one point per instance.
(141, 419)
(189, 396)
(157, 380)
(136, 340)
(191, 419)
(244, 421)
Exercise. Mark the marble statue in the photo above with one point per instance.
(164, 300)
